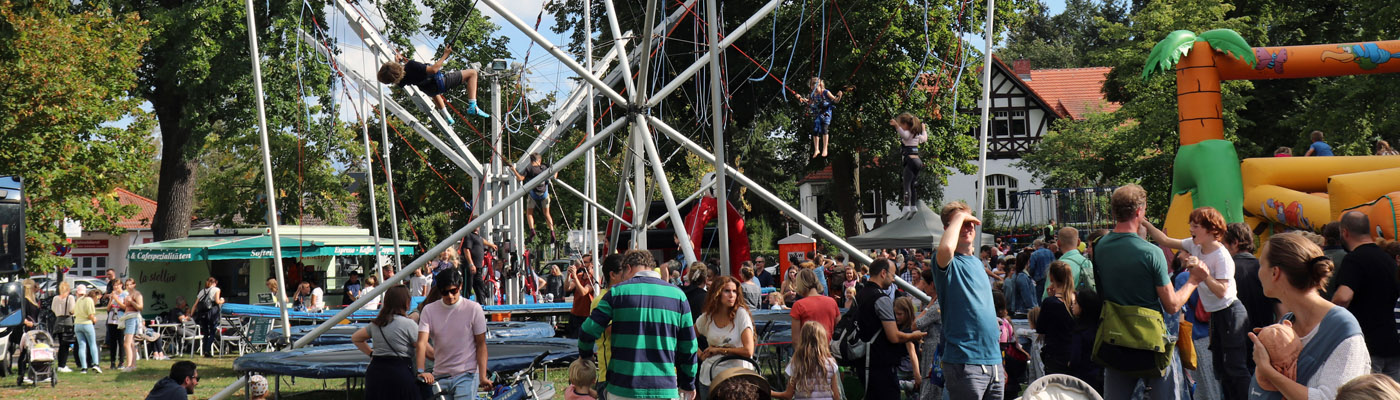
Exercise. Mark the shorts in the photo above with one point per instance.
(533, 202)
(131, 324)
(442, 82)
(820, 123)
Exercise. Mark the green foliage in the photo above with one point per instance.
(1168, 52)
(837, 225)
(68, 76)
(1064, 40)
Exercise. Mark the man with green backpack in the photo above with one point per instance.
(1080, 267)
(1136, 339)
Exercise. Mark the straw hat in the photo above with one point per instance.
(743, 374)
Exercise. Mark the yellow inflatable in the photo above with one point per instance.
(1308, 192)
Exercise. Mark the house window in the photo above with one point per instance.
(1017, 124)
(873, 203)
(89, 265)
(1001, 190)
(1001, 124)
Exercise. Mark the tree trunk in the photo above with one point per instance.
(845, 190)
(175, 199)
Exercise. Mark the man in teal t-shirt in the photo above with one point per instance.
(972, 364)
(1133, 272)
(1081, 269)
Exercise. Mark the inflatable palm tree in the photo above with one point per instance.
(1206, 165)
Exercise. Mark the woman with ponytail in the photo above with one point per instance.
(1292, 269)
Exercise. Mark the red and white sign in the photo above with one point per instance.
(90, 243)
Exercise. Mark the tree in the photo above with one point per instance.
(1064, 40)
(68, 78)
(196, 74)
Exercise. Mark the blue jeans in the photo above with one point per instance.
(462, 387)
(1117, 385)
(87, 345)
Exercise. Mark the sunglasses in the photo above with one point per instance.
(454, 291)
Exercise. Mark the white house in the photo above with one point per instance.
(1025, 103)
(94, 252)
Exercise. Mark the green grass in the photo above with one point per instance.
(215, 374)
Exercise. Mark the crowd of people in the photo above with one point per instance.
(1128, 312)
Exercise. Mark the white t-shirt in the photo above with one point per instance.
(318, 300)
(373, 304)
(729, 336)
(1221, 266)
(416, 285)
(819, 387)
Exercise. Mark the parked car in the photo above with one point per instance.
(49, 287)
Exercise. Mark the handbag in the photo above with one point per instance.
(1133, 340)
(425, 390)
(1185, 346)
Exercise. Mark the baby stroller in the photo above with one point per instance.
(36, 351)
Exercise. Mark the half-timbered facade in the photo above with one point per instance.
(1025, 105)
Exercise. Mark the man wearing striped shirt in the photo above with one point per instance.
(653, 339)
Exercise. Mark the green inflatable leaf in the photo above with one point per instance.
(1230, 42)
(1167, 52)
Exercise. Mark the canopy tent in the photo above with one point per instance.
(918, 229)
(241, 260)
(242, 247)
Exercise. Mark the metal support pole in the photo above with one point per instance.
(369, 176)
(641, 203)
(590, 179)
(658, 174)
(622, 56)
(267, 164)
(497, 158)
(591, 203)
(388, 179)
(783, 206)
(690, 71)
(554, 50)
(717, 122)
(687, 200)
(986, 113)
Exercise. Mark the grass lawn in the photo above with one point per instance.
(214, 373)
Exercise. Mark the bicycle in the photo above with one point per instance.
(521, 386)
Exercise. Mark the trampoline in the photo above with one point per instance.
(340, 334)
(345, 361)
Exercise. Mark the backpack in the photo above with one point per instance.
(846, 345)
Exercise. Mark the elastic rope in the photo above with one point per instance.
(800, 17)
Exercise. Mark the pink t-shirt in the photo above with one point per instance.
(453, 330)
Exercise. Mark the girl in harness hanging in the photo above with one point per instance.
(911, 135)
(822, 103)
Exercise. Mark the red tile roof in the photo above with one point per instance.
(144, 215)
(819, 176)
(1073, 92)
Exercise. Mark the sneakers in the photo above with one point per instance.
(96, 369)
(65, 369)
(449, 119)
(46, 379)
(28, 381)
(472, 109)
(84, 371)
(129, 369)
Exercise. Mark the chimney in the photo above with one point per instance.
(1023, 69)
